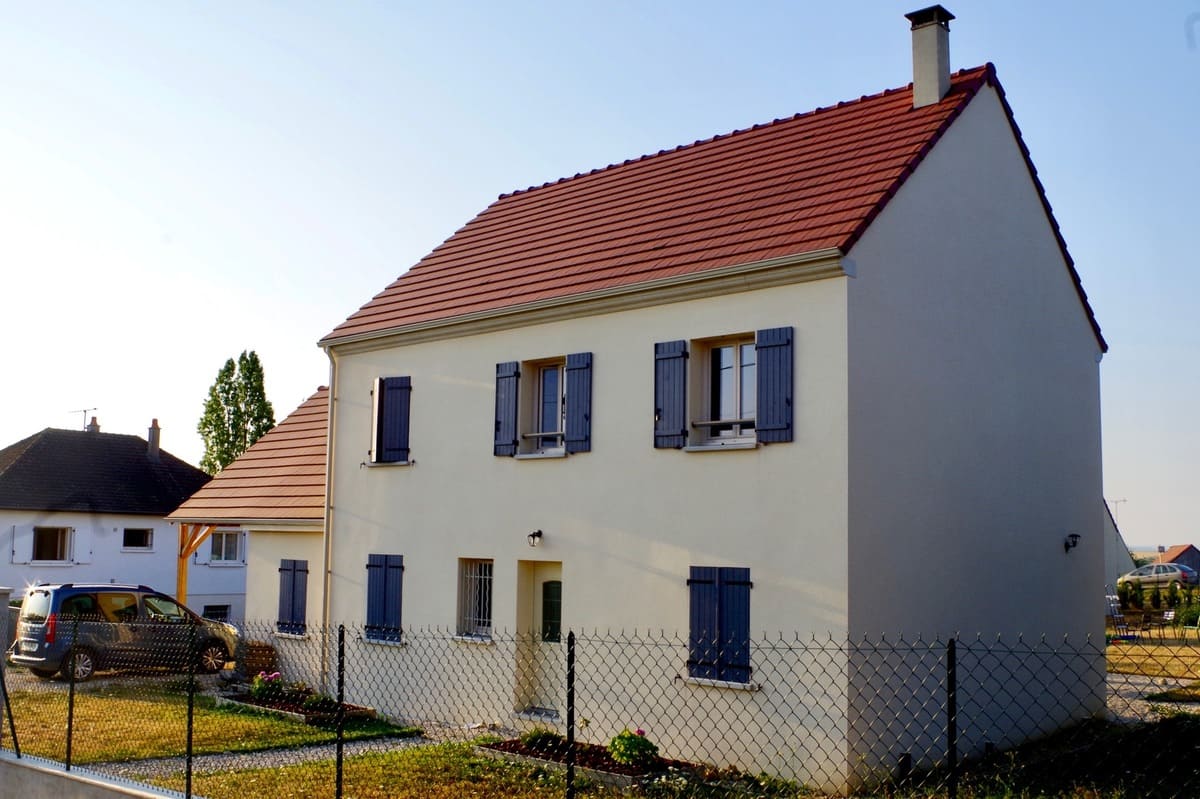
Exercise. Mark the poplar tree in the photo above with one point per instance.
(236, 413)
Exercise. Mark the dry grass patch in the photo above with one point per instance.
(1151, 659)
(429, 772)
(121, 723)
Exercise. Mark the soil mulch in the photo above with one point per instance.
(591, 756)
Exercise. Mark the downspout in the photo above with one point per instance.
(327, 527)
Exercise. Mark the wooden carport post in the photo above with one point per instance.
(191, 536)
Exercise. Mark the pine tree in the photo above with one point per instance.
(236, 413)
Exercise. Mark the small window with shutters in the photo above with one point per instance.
(727, 392)
(391, 403)
(293, 597)
(544, 407)
(719, 614)
(385, 583)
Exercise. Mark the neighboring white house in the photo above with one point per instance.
(87, 506)
(274, 494)
(833, 374)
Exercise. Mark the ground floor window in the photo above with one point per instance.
(475, 597)
(52, 544)
(719, 638)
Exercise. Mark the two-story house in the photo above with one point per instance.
(833, 374)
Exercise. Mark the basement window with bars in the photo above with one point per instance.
(475, 598)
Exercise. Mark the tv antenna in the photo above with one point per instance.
(85, 412)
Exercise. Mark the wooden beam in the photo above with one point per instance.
(191, 536)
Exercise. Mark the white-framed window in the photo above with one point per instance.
(137, 539)
(475, 597)
(225, 546)
(52, 544)
(544, 406)
(727, 392)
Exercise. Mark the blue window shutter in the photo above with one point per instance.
(300, 596)
(385, 578)
(394, 579)
(774, 356)
(391, 428)
(579, 403)
(703, 635)
(376, 596)
(286, 573)
(507, 376)
(293, 596)
(733, 609)
(670, 394)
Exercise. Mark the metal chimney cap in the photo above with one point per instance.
(925, 16)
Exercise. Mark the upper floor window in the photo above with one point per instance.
(137, 538)
(544, 407)
(391, 403)
(733, 390)
(52, 544)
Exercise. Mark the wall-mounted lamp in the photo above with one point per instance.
(1070, 542)
(535, 538)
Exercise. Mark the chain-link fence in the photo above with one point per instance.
(364, 712)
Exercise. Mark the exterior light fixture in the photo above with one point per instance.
(535, 538)
(1070, 542)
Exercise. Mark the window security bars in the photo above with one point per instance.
(475, 598)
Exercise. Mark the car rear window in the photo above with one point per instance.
(36, 607)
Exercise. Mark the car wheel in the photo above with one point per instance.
(85, 664)
(43, 674)
(211, 658)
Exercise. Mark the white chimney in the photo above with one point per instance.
(152, 441)
(930, 54)
(93, 426)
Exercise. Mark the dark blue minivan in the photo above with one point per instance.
(114, 627)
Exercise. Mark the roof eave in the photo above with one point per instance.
(797, 268)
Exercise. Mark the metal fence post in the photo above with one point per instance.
(191, 706)
(952, 717)
(71, 688)
(571, 715)
(341, 709)
(12, 725)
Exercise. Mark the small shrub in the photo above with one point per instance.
(542, 738)
(1125, 595)
(1173, 596)
(1188, 616)
(1138, 595)
(319, 703)
(633, 748)
(265, 686)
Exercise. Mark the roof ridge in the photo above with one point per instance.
(987, 71)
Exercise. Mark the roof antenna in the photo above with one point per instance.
(85, 412)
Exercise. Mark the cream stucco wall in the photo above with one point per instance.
(624, 520)
(974, 432)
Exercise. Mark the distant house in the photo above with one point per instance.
(82, 505)
(1184, 554)
(835, 374)
(274, 495)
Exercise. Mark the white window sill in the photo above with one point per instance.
(383, 642)
(52, 563)
(727, 684)
(370, 464)
(137, 550)
(224, 564)
(292, 636)
(476, 640)
(533, 456)
(721, 446)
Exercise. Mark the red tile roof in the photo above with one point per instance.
(797, 185)
(282, 476)
(1172, 554)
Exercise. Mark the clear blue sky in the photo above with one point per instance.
(181, 181)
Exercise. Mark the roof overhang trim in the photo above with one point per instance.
(800, 268)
